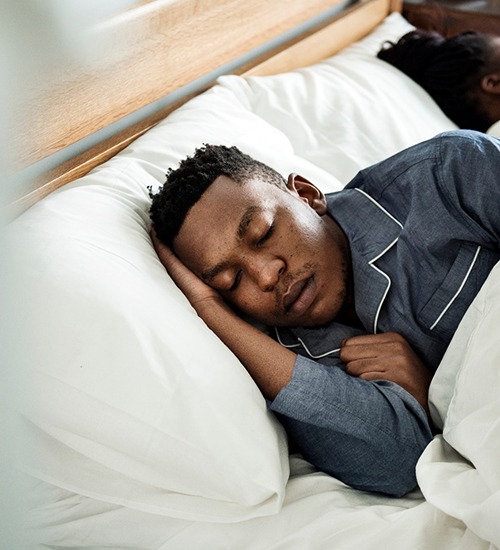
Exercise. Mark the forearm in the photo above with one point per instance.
(367, 434)
(270, 364)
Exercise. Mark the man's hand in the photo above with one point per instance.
(387, 357)
(196, 291)
(269, 363)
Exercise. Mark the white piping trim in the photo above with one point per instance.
(301, 343)
(459, 288)
(284, 345)
(317, 356)
(379, 206)
(389, 282)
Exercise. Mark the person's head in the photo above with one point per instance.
(267, 245)
(461, 73)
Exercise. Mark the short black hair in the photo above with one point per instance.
(449, 69)
(185, 185)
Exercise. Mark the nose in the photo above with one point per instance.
(266, 272)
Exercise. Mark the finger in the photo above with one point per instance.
(371, 346)
(372, 339)
(165, 254)
(363, 366)
(173, 264)
(154, 237)
(376, 375)
(158, 245)
(169, 260)
(354, 352)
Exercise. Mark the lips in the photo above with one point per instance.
(300, 296)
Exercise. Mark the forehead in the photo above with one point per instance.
(222, 209)
(229, 200)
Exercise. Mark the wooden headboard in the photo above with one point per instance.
(156, 55)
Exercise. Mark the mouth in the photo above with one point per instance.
(300, 296)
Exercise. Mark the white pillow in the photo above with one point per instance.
(138, 402)
(349, 111)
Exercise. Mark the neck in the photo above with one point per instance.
(347, 314)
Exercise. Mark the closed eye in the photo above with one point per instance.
(236, 281)
(266, 236)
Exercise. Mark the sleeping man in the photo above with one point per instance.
(363, 288)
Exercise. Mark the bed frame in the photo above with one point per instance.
(158, 54)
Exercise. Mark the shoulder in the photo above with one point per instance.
(452, 158)
(436, 174)
(454, 174)
(464, 144)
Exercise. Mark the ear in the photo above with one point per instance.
(490, 83)
(307, 192)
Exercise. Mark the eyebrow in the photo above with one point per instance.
(210, 274)
(246, 220)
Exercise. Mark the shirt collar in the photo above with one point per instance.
(371, 231)
(317, 342)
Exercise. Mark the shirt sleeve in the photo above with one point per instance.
(367, 434)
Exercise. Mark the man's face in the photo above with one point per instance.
(268, 251)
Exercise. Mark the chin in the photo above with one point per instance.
(314, 320)
(324, 317)
(317, 322)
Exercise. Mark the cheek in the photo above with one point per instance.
(260, 306)
(305, 244)
(255, 303)
(303, 228)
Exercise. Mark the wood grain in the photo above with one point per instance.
(73, 114)
(140, 56)
(351, 25)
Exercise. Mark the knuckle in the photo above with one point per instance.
(344, 355)
(397, 338)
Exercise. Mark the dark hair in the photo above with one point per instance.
(185, 185)
(449, 69)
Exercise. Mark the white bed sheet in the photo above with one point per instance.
(100, 485)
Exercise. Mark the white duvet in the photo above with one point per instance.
(145, 432)
(459, 472)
